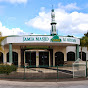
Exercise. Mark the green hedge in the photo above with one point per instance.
(6, 69)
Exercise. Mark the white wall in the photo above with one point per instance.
(73, 49)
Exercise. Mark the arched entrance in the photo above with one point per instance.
(70, 56)
(83, 56)
(59, 58)
(14, 58)
(1, 57)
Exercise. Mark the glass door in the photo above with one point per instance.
(30, 58)
(44, 58)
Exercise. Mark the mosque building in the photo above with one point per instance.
(41, 50)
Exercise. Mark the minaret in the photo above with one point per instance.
(53, 23)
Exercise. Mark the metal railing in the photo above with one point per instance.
(40, 72)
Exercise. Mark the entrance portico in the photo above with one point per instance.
(39, 50)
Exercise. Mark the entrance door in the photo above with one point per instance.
(59, 58)
(44, 58)
(30, 58)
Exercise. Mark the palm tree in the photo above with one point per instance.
(1, 39)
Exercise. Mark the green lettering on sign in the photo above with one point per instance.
(35, 38)
(42, 38)
(55, 39)
(28, 39)
(64, 39)
(71, 40)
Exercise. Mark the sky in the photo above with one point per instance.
(25, 17)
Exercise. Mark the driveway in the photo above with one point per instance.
(68, 84)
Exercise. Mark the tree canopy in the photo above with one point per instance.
(84, 40)
(1, 39)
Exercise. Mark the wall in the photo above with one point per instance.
(62, 49)
(73, 49)
(57, 49)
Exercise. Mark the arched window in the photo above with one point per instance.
(83, 56)
(59, 58)
(14, 58)
(1, 57)
(70, 56)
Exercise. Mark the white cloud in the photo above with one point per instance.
(68, 23)
(14, 1)
(71, 6)
(41, 22)
(14, 31)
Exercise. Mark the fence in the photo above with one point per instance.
(41, 72)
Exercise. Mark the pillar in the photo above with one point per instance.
(49, 59)
(19, 58)
(37, 58)
(4, 58)
(65, 55)
(77, 52)
(10, 53)
(53, 57)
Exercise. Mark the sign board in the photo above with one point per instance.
(41, 39)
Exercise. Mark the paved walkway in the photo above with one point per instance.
(69, 84)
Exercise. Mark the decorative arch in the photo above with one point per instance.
(70, 56)
(83, 56)
(59, 58)
(14, 57)
(1, 57)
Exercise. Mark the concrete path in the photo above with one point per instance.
(69, 84)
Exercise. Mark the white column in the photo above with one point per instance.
(53, 58)
(4, 58)
(19, 58)
(37, 58)
(65, 54)
(10, 53)
(49, 59)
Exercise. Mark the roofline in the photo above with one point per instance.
(36, 35)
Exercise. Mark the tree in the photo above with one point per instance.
(84, 42)
(70, 36)
(1, 39)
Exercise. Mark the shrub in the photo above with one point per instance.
(13, 67)
(6, 69)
